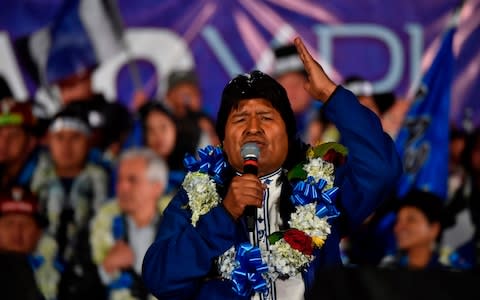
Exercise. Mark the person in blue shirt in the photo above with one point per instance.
(203, 248)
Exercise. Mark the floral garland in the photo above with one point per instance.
(106, 228)
(251, 268)
(47, 185)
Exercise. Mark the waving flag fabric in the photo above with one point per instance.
(423, 139)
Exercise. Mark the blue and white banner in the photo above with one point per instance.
(385, 41)
(424, 138)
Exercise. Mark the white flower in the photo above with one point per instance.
(202, 194)
(121, 294)
(47, 276)
(304, 219)
(226, 263)
(320, 169)
(286, 260)
(81, 210)
(54, 208)
(101, 238)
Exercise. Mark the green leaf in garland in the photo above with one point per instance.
(322, 149)
(275, 237)
(297, 172)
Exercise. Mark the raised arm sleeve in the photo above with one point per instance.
(373, 165)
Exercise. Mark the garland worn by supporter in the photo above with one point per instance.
(88, 191)
(107, 227)
(46, 267)
(122, 229)
(306, 198)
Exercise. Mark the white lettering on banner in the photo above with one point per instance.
(388, 82)
(163, 48)
(9, 68)
(221, 50)
(416, 50)
(326, 35)
(166, 50)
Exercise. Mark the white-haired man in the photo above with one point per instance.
(122, 230)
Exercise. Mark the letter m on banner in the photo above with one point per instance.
(423, 139)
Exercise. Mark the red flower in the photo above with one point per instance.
(298, 240)
(334, 157)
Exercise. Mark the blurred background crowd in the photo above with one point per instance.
(85, 176)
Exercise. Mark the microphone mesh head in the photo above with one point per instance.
(250, 151)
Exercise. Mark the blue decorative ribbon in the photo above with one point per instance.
(36, 261)
(210, 161)
(125, 280)
(118, 228)
(309, 191)
(59, 265)
(247, 277)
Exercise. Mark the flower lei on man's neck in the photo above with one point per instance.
(292, 250)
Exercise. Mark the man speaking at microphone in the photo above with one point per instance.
(204, 249)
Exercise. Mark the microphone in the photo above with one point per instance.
(250, 154)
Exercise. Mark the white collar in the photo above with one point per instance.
(271, 177)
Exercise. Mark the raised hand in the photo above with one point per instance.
(121, 256)
(318, 85)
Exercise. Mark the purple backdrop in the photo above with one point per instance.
(388, 42)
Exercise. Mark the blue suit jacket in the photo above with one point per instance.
(177, 265)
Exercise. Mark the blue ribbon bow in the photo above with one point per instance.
(309, 191)
(210, 161)
(247, 277)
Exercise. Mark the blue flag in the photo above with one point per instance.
(71, 50)
(77, 38)
(423, 139)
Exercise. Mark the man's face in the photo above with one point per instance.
(68, 148)
(13, 143)
(18, 233)
(255, 120)
(76, 87)
(294, 82)
(134, 190)
(182, 97)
